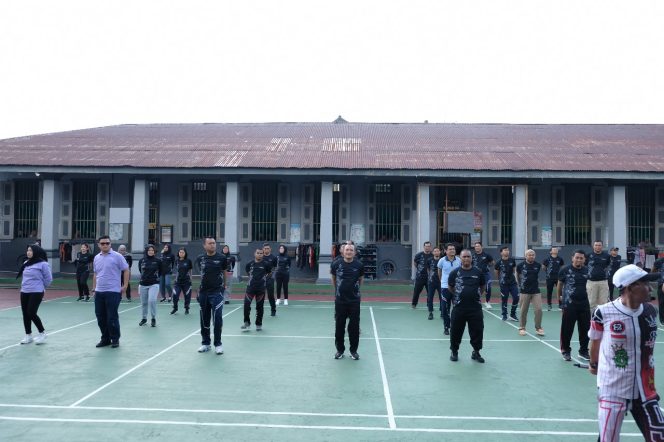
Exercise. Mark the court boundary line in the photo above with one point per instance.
(136, 367)
(383, 375)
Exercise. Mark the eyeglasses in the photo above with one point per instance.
(105, 243)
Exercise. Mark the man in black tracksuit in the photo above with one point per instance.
(552, 265)
(270, 259)
(422, 263)
(347, 275)
(467, 284)
(259, 270)
(575, 305)
(434, 284)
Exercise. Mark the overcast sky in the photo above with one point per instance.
(77, 64)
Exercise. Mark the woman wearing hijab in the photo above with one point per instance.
(83, 262)
(148, 287)
(282, 275)
(167, 263)
(182, 283)
(37, 276)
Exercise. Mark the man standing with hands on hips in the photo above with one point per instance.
(623, 334)
(109, 269)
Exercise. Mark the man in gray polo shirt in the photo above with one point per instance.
(109, 269)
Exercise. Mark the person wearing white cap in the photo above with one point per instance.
(622, 358)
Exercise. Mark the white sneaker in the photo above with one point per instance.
(203, 348)
(278, 301)
(285, 301)
(40, 338)
(219, 349)
(28, 339)
(487, 305)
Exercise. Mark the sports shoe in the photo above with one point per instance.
(173, 311)
(338, 355)
(566, 356)
(40, 338)
(476, 356)
(549, 307)
(219, 349)
(413, 306)
(259, 327)
(162, 300)
(504, 318)
(28, 339)
(143, 322)
(447, 331)
(278, 301)
(115, 344)
(522, 332)
(246, 326)
(513, 318)
(87, 299)
(273, 313)
(153, 322)
(487, 305)
(186, 310)
(430, 316)
(539, 332)
(103, 344)
(170, 299)
(583, 354)
(80, 298)
(285, 301)
(203, 348)
(354, 356)
(454, 356)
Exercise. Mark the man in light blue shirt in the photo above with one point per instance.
(446, 264)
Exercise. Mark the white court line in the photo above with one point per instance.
(131, 370)
(310, 427)
(69, 328)
(265, 336)
(386, 388)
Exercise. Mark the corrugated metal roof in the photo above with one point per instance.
(495, 147)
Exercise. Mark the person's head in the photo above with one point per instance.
(633, 283)
(282, 249)
(530, 256)
(478, 247)
(554, 251)
(427, 247)
(436, 252)
(182, 253)
(267, 249)
(150, 250)
(210, 245)
(166, 249)
(504, 252)
(450, 250)
(258, 255)
(226, 250)
(104, 243)
(349, 252)
(466, 259)
(614, 251)
(597, 246)
(578, 258)
(29, 253)
(86, 248)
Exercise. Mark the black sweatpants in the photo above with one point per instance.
(474, 317)
(82, 284)
(551, 285)
(269, 288)
(185, 289)
(660, 299)
(29, 306)
(282, 282)
(260, 301)
(420, 284)
(579, 315)
(350, 311)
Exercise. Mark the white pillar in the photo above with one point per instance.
(50, 220)
(231, 230)
(325, 256)
(617, 215)
(520, 224)
(423, 220)
(139, 222)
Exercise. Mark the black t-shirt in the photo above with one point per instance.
(574, 290)
(467, 284)
(258, 272)
(83, 261)
(150, 268)
(433, 272)
(598, 263)
(167, 263)
(348, 276)
(283, 264)
(422, 264)
(129, 259)
(212, 272)
(529, 276)
(183, 268)
(614, 265)
(553, 266)
(506, 271)
(482, 261)
(272, 260)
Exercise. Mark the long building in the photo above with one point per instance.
(389, 187)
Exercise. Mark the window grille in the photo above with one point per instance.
(578, 227)
(264, 211)
(388, 212)
(203, 210)
(84, 210)
(640, 214)
(336, 194)
(316, 213)
(26, 209)
(153, 211)
(506, 206)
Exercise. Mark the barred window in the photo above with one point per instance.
(153, 212)
(640, 213)
(578, 227)
(26, 209)
(317, 195)
(336, 201)
(506, 206)
(388, 213)
(203, 210)
(451, 198)
(84, 213)
(264, 211)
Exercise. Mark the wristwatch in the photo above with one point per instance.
(593, 365)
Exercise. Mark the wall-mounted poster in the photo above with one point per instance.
(546, 236)
(357, 233)
(116, 231)
(166, 233)
(294, 233)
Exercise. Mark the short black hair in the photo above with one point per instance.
(267, 244)
(581, 251)
(478, 242)
(205, 238)
(504, 247)
(447, 246)
(426, 242)
(103, 237)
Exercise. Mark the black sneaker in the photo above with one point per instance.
(354, 356)
(338, 355)
(153, 323)
(454, 356)
(115, 344)
(162, 300)
(227, 302)
(476, 356)
(80, 298)
(447, 331)
(143, 322)
(513, 318)
(583, 354)
(103, 344)
(87, 299)
(173, 311)
(566, 356)
(430, 316)
(504, 317)
(128, 299)
(549, 308)
(186, 310)
(273, 314)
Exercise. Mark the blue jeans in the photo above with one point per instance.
(106, 310)
(505, 291)
(165, 286)
(212, 307)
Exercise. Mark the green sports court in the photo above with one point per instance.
(282, 383)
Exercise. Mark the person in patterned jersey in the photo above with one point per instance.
(422, 263)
